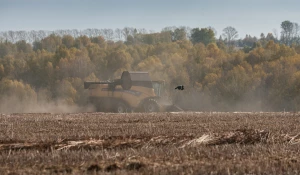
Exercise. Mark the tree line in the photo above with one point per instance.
(290, 34)
(222, 73)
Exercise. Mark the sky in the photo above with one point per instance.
(246, 16)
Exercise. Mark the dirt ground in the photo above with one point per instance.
(155, 143)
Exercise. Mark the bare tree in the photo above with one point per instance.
(11, 36)
(296, 36)
(275, 32)
(287, 29)
(230, 34)
(22, 35)
(127, 31)
(142, 31)
(60, 32)
(296, 30)
(108, 34)
(32, 36)
(152, 31)
(87, 32)
(94, 33)
(170, 28)
(41, 34)
(119, 34)
(75, 33)
(98, 32)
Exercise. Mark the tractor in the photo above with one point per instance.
(133, 92)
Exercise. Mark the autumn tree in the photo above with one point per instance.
(68, 41)
(100, 41)
(203, 35)
(23, 46)
(82, 42)
(7, 48)
(151, 64)
(176, 33)
(66, 92)
(18, 90)
(117, 61)
(270, 37)
(179, 34)
(51, 43)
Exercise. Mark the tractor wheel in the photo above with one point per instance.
(151, 105)
(122, 108)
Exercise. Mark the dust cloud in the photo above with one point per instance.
(188, 99)
(192, 100)
(14, 104)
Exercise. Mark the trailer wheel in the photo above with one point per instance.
(122, 108)
(151, 105)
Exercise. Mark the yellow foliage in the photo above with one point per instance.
(185, 44)
(256, 56)
(119, 59)
(65, 90)
(271, 45)
(91, 77)
(68, 41)
(150, 64)
(210, 79)
(17, 89)
(49, 69)
(208, 63)
(199, 52)
(296, 77)
(213, 50)
(60, 67)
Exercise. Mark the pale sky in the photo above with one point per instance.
(247, 16)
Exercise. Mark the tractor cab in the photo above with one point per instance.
(158, 87)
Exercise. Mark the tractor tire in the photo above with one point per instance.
(151, 105)
(122, 108)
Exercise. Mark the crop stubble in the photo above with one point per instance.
(158, 143)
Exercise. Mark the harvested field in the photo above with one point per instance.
(158, 143)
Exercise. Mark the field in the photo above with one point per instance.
(157, 143)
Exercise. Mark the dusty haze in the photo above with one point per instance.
(15, 105)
